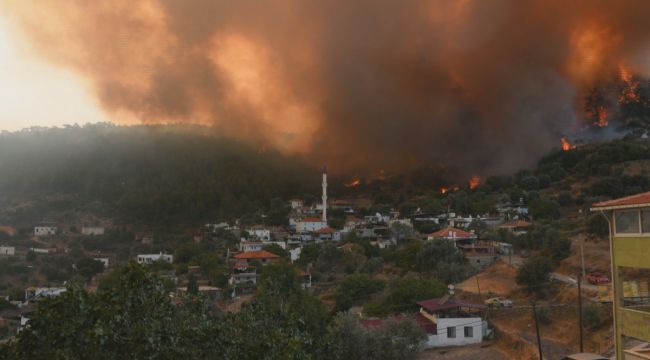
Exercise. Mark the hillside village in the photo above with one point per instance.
(450, 260)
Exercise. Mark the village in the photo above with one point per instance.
(469, 311)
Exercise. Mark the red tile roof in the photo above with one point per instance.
(326, 230)
(314, 219)
(451, 232)
(516, 224)
(444, 304)
(631, 201)
(256, 255)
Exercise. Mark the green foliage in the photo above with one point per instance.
(535, 274)
(530, 183)
(544, 208)
(443, 259)
(192, 285)
(543, 314)
(356, 288)
(598, 225)
(565, 198)
(402, 295)
(277, 250)
(89, 267)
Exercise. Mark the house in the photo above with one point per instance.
(45, 230)
(517, 227)
(295, 253)
(479, 254)
(7, 250)
(32, 293)
(456, 322)
(250, 246)
(295, 204)
(346, 206)
(152, 258)
(9, 230)
(92, 230)
(327, 234)
(145, 238)
(103, 260)
(453, 234)
(629, 240)
(262, 257)
(308, 225)
(260, 233)
(44, 251)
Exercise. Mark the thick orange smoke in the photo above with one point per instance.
(363, 84)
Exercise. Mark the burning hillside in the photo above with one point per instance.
(364, 85)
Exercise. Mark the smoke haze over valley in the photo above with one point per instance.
(474, 87)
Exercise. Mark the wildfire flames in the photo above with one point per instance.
(474, 182)
(353, 183)
(451, 188)
(630, 92)
(566, 145)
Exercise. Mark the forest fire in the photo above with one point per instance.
(352, 183)
(447, 189)
(474, 182)
(630, 92)
(566, 145)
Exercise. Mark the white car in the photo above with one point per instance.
(498, 302)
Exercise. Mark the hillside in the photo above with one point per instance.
(148, 174)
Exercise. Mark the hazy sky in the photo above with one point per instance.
(36, 93)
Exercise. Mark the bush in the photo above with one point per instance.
(592, 316)
(355, 288)
(598, 225)
(543, 314)
(544, 208)
(530, 183)
(565, 198)
(535, 274)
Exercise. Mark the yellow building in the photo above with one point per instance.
(629, 240)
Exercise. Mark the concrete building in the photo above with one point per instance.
(152, 258)
(629, 242)
(92, 230)
(456, 322)
(45, 230)
(309, 225)
(7, 250)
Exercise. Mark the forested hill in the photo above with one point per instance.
(152, 174)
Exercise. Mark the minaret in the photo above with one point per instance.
(325, 194)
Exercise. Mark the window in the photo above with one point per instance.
(645, 221)
(451, 332)
(627, 222)
(469, 331)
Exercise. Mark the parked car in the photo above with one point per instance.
(498, 302)
(597, 278)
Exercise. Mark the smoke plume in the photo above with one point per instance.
(473, 86)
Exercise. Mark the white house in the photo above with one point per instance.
(308, 225)
(152, 258)
(92, 230)
(103, 260)
(45, 230)
(38, 292)
(295, 204)
(7, 250)
(260, 233)
(456, 322)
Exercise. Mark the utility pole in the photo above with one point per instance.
(539, 341)
(478, 286)
(580, 312)
(582, 255)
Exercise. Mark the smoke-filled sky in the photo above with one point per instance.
(364, 85)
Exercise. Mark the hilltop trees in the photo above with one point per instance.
(131, 316)
(535, 274)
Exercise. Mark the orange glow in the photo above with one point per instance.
(447, 189)
(602, 117)
(629, 94)
(474, 182)
(353, 183)
(566, 145)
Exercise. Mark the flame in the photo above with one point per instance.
(629, 94)
(353, 183)
(566, 145)
(474, 182)
(447, 189)
(602, 117)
